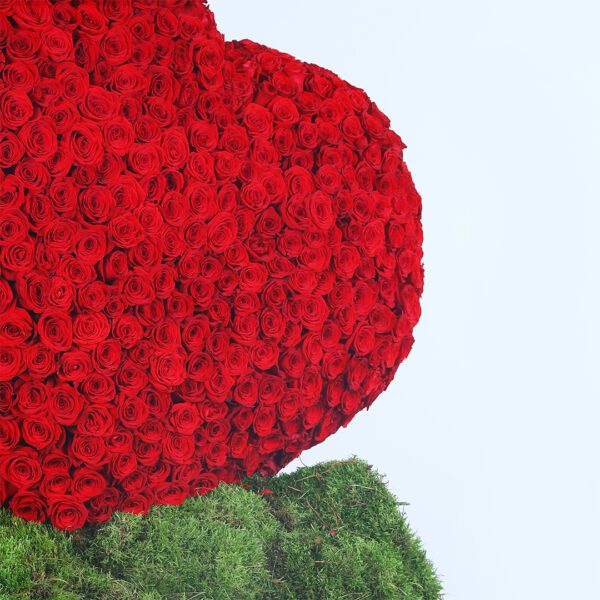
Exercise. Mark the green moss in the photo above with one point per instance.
(214, 546)
(37, 562)
(326, 532)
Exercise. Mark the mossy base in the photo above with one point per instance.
(327, 532)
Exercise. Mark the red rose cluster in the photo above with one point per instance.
(210, 256)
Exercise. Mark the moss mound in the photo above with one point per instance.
(326, 532)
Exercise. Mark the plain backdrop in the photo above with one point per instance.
(490, 429)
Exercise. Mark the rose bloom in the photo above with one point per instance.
(67, 513)
(55, 330)
(28, 506)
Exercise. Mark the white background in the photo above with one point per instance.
(490, 429)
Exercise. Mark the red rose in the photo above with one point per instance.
(85, 143)
(23, 44)
(55, 330)
(107, 357)
(88, 449)
(65, 404)
(238, 444)
(75, 366)
(185, 418)
(101, 507)
(87, 483)
(21, 468)
(290, 405)
(97, 204)
(137, 504)
(167, 369)
(40, 433)
(144, 159)
(271, 443)
(11, 150)
(123, 465)
(258, 120)
(175, 147)
(67, 513)
(28, 506)
(9, 435)
(15, 109)
(16, 327)
(205, 483)
(39, 138)
(31, 399)
(221, 233)
(246, 390)
(6, 397)
(11, 363)
(132, 411)
(89, 329)
(179, 448)
(118, 136)
(97, 420)
(116, 45)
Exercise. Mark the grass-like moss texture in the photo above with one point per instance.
(332, 531)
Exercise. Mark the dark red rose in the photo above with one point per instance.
(56, 484)
(118, 136)
(123, 465)
(126, 230)
(221, 233)
(58, 44)
(170, 493)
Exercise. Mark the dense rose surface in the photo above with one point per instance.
(210, 256)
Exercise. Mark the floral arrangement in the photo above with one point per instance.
(210, 256)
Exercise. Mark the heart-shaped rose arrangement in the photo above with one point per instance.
(210, 256)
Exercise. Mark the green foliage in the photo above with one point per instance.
(327, 532)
